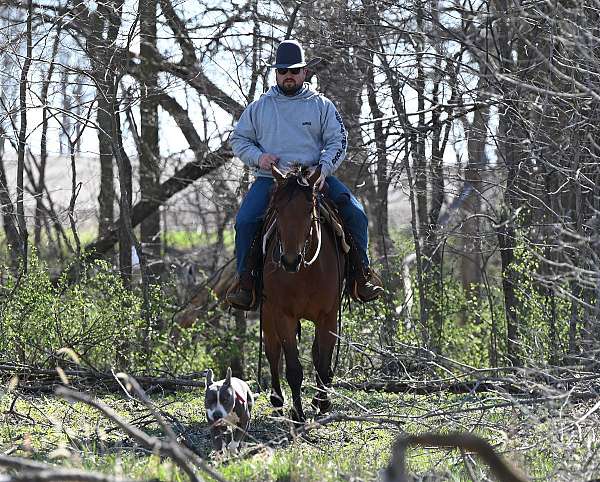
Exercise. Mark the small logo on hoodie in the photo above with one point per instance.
(307, 123)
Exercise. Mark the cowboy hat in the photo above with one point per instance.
(290, 55)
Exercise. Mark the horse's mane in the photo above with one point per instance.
(295, 179)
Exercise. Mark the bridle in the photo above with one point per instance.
(315, 230)
(315, 223)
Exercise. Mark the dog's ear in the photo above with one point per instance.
(209, 378)
(228, 377)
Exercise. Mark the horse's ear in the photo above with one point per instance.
(314, 177)
(209, 378)
(277, 174)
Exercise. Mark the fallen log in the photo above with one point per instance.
(33, 471)
(536, 384)
(213, 290)
(429, 387)
(35, 379)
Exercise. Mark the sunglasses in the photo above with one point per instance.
(291, 71)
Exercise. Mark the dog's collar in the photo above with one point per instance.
(239, 398)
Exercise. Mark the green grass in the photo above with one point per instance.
(186, 240)
(181, 240)
(75, 435)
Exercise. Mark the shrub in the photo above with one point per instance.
(97, 318)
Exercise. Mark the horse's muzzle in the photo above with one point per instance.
(291, 264)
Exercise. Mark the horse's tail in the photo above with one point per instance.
(299, 331)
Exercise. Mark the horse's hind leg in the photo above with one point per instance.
(273, 352)
(322, 353)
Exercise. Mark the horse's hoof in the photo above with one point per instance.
(323, 405)
(278, 413)
(298, 417)
(276, 400)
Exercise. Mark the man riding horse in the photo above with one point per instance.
(291, 124)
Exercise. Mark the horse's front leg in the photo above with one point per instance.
(293, 373)
(322, 353)
(273, 352)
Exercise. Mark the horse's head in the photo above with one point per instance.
(294, 201)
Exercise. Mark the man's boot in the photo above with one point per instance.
(244, 298)
(367, 285)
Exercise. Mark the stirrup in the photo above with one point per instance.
(368, 277)
(238, 305)
(236, 292)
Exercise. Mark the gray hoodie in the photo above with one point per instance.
(305, 128)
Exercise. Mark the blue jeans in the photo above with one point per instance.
(254, 206)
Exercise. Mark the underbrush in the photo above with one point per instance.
(74, 435)
(96, 322)
(103, 325)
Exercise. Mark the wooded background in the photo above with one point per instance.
(481, 116)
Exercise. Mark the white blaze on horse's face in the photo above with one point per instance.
(294, 204)
(294, 224)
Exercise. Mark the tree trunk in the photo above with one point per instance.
(470, 227)
(106, 196)
(420, 198)
(21, 220)
(383, 245)
(8, 211)
(39, 187)
(149, 147)
(511, 137)
(506, 243)
(104, 24)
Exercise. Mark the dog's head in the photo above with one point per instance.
(219, 399)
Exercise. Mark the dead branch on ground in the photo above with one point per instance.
(214, 287)
(187, 460)
(32, 471)
(396, 471)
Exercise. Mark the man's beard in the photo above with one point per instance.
(290, 89)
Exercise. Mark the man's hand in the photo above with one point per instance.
(320, 183)
(265, 161)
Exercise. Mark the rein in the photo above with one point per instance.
(316, 221)
(315, 230)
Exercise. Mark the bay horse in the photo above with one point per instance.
(303, 273)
